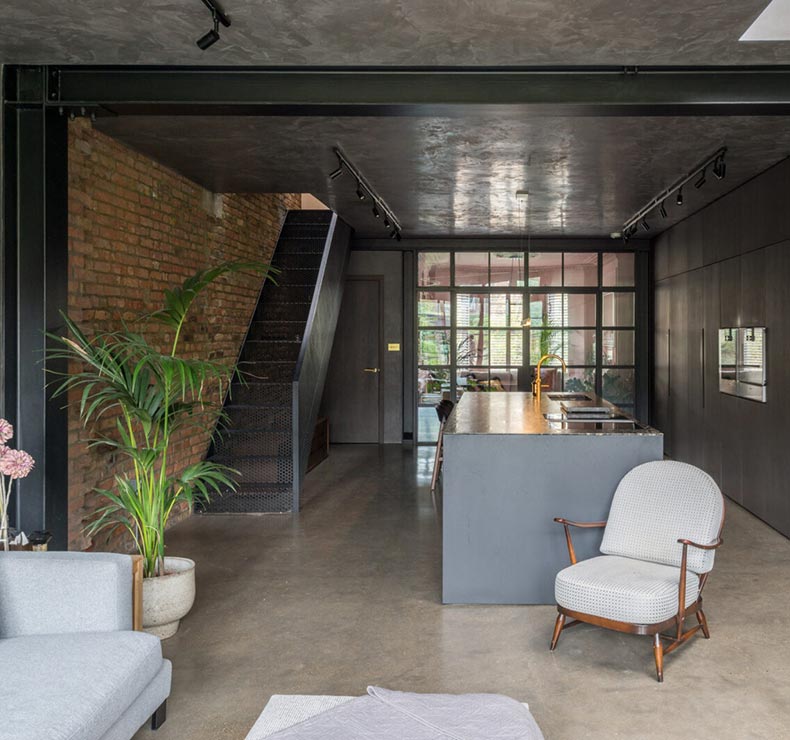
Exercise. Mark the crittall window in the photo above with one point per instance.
(484, 319)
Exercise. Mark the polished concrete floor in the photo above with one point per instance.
(348, 594)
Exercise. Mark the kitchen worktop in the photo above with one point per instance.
(523, 414)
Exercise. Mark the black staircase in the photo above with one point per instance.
(272, 413)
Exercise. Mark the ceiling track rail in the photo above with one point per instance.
(715, 161)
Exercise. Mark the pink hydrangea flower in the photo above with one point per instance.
(6, 431)
(16, 464)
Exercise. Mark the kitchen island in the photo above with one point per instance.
(512, 462)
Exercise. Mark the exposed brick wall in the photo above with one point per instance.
(136, 228)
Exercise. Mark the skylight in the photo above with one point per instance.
(773, 24)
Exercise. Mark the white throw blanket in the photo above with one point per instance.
(397, 715)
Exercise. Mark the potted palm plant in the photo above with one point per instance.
(155, 396)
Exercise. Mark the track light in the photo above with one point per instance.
(701, 180)
(663, 210)
(210, 38)
(679, 199)
(398, 236)
(366, 192)
(217, 16)
(720, 168)
(645, 225)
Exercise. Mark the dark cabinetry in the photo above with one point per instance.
(740, 443)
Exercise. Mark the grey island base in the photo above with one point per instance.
(508, 471)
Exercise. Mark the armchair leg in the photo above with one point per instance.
(558, 625)
(159, 716)
(703, 622)
(658, 653)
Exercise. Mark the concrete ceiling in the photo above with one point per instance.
(388, 32)
(458, 176)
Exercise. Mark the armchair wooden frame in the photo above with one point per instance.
(677, 637)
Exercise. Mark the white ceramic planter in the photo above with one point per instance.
(168, 598)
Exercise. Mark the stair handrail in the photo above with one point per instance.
(316, 347)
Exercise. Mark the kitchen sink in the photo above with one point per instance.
(568, 396)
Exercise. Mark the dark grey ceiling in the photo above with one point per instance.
(458, 177)
(388, 32)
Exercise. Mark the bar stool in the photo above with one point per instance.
(443, 411)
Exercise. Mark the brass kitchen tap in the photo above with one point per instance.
(536, 383)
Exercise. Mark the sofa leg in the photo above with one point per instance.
(159, 716)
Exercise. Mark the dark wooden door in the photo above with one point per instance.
(353, 383)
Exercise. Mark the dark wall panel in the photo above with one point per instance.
(727, 265)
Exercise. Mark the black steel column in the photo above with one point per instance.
(35, 258)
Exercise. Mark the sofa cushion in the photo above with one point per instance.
(43, 593)
(74, 686)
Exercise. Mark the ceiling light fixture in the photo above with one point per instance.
(715, 161)
(218, 16)
(376, 213)
(360, 192)
(645, 225)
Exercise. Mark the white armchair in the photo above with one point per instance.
(658, 548)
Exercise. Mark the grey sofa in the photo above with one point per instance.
(73, 667)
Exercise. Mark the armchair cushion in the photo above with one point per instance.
(74, 687)
(658, 503)
(48, 592)
(623, 589)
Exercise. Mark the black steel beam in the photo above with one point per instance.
(447, 92)
(35, 257)
(516, 244)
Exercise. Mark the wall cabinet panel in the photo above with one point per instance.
(660, 407)
(730, 292)
(743, 242)
(752, 288)
(711, 431)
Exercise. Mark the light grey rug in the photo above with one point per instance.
(383, 714)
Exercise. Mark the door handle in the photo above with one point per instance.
(371, 370)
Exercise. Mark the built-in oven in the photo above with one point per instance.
(742, 362)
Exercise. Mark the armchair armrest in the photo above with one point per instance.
(65, 592)
(560, 520)
(718, 542)
(566, 523)
(712, 546)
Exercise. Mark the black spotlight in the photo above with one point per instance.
(386, 222)
(218, 16)
(719, 168)
(701, 180)
(376, 211)
(398, 236)
(360, 192)
(679, 199)
(645, 224)
(210, 38)
(394, 234)
(336, 173)
(663, 210)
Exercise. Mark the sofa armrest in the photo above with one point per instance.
(61, 592)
